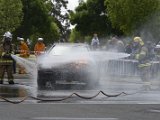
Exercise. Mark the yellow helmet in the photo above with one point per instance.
(139, 40)
(136, 39)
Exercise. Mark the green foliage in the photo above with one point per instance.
(75, 36)
(90, 17)
(129, 15)
(88, 39)
(49, 37)
(151, 29)
(61, 18)
(43, 18)
(11, 15)
(37, 22)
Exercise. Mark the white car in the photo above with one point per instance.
(67, 64)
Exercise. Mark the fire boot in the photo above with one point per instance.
(1, 81)
(11, 82)
(147, 86)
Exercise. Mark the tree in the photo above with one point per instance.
(75, 36)
(151, 29)
(44, 18)
(11, 15)
(130, 15)
(90, 17)
(38, 22)
(61, 15)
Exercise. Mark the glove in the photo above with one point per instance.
(7, 56)
(132, 56)
(137, 56)
(3, 53)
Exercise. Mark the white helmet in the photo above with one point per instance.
(7, 34)
(20, 39)
(40, 39)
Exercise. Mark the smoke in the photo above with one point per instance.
(150, 30)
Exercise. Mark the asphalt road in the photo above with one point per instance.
(138, 104)
(79, 112)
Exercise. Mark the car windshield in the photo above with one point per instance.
(62, 50)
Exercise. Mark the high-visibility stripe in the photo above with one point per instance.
(6, 61)
(144, 65)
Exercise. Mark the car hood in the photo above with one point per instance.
(50, 61)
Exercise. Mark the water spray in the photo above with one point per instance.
(30, 66)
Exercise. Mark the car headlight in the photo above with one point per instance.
(81, 62)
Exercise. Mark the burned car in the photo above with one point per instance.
(67, 65)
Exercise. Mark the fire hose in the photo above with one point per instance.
(65, 98)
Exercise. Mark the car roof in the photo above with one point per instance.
(70, 44)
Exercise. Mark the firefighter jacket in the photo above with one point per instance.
(5, 54)
(24, 50)
(135, 50)
(39, 48)
(143, 57)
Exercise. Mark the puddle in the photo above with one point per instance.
(10, 91)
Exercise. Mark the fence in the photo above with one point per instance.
(125, 67)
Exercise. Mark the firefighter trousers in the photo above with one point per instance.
(8, 69)
(145, 73)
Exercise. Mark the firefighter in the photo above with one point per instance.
(6, 61)
(24, 53)
(136, 46)
(144, 64)
(115, 45)
(39, 47)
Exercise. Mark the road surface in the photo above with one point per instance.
(133, 104)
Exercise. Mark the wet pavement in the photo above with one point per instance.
(134, 103)
(12, 91)
(131, 92)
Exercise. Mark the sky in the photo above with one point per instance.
(72, 4)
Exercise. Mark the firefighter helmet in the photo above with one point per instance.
(20, 39)
(138, 40)
(7, 34)
(40, 39)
